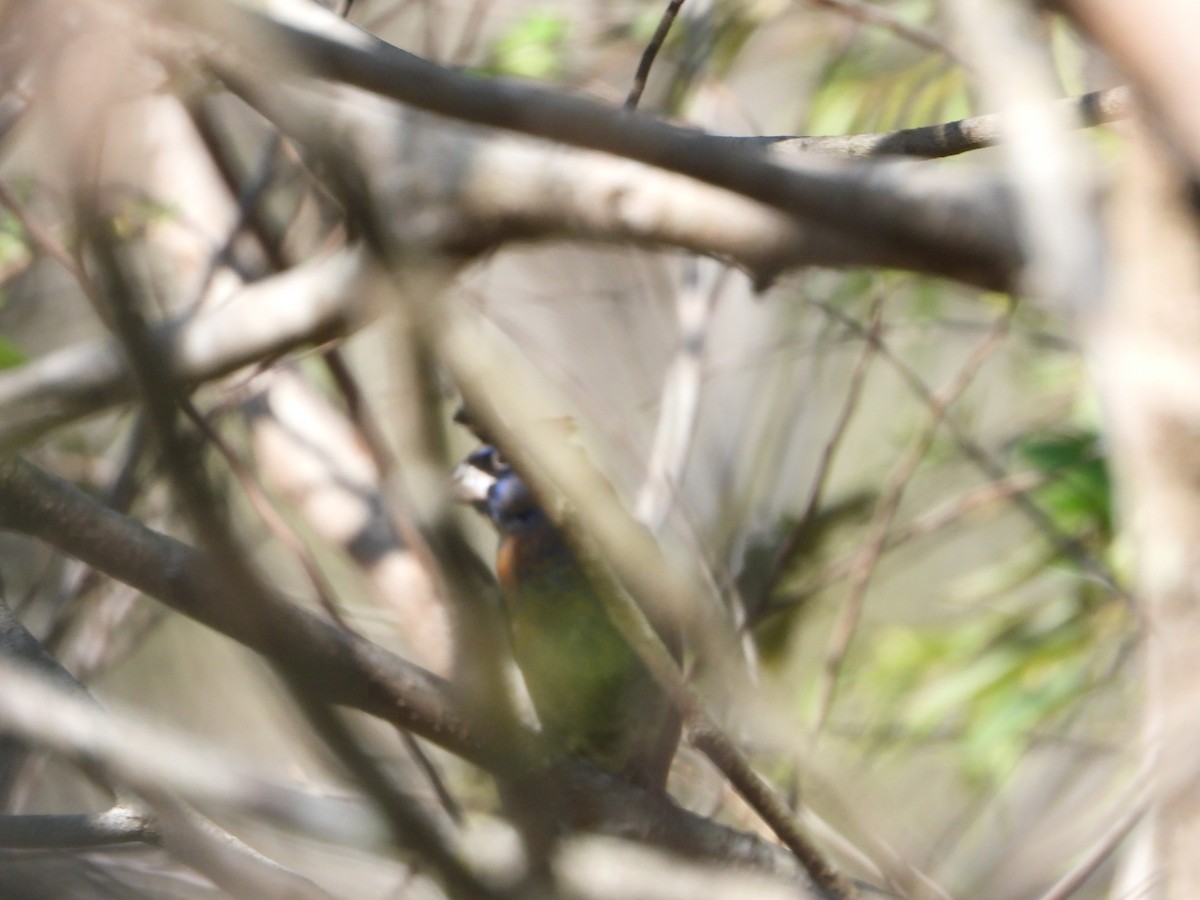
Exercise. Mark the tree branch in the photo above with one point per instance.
(962, 220)
(348, 670)
(319, 300)
(354, 672)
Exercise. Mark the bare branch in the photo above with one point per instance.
(354, 672)
(941, 219)
(310, 303)
(119, 825)
(946, 138)
(149, 759)
(868, 555)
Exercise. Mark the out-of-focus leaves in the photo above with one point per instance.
(880, 83)
(10, 354)
(15, 253)
(995, 678)
(1078, 494)
(534, 47)
(810, 549)
(990, 681)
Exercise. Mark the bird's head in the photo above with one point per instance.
(492, 487)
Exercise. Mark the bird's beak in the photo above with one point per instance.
(470, 484)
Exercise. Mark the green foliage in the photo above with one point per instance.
(811, 548)
(995, 678)
(10, 354)
(534, 47)
(1078, 495)
(15, 253)
(881, 84)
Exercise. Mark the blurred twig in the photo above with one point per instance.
(651, 52)
(982, 459)
(1124, 818)
(270, 516)
(785, 556)
(312, 302)
(868, 555)
(680, 403)
(873, 14)
(942, 516)
(119, 825)
(944, 138)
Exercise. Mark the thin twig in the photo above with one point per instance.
(1130, 810)
(977, 455)
(941, 139)
(271, 517)
(249, 198)
(927, 523)
(769, 804)
(75, 831)
(799, 532)
(372, 435)
(872, 549)
(871, 14)
(651, 52)
(47, 243)
(469, 36)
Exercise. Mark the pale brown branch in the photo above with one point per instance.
(868, 555)
(848, 198)
(313, 302)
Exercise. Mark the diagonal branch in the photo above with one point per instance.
(354, 672)
(964, 218)
(319, 300)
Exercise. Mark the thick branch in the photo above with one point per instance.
(961, 220)
(352, 671)
(346, 669)
(316, 301)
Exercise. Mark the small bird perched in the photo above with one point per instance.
(593, 695)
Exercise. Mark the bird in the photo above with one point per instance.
(594, 697)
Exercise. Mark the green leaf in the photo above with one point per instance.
(1079, 494)
(992, 681)
(534, 47)
(10, 354)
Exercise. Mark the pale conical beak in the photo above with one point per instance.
(470, 484)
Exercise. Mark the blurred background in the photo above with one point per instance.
(894, 484)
